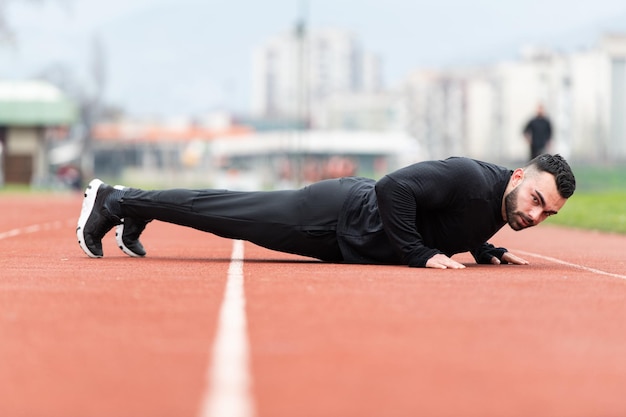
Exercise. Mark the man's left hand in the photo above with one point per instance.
(508, 257)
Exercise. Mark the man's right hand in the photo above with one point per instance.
(441, 261)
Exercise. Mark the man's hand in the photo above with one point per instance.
(510, 258)
(441, 261)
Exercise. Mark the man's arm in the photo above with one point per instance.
(407, 197)
(528, 131)
(549, 130)
(397, 206)
(424, 187)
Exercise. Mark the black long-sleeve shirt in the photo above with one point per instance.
(431, 207)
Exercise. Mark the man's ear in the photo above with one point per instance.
(517, 177)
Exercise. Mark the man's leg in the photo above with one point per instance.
(294, 221)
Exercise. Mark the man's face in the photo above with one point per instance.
(533, 200)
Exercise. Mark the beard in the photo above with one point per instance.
(516, 219)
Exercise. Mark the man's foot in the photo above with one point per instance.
(95, 218)
(127, 236)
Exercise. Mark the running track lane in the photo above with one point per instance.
(120, 336)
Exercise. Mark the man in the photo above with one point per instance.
(538, 132)
(418, 216)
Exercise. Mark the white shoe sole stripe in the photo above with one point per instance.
(119, 230)
(85, 212)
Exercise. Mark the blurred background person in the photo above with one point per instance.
(538, 132)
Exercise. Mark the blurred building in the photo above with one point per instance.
(322, 112)
(372, 112)
(291, 159)
(233, 156)
(436, 111)
(33, 114)
(326, 80)
(294, 73)
(481, 112)
(159, 152)
(613, 49)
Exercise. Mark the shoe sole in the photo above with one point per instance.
(119, 230)
(88, 202)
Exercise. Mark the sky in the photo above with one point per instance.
(189, 57)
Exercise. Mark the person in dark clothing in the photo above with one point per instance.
(538, 133)
(418, 216)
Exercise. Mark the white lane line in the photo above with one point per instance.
(10, 233)
(228, 392)
(53, 225)
(558, 261)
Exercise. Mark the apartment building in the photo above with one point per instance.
(294, 73)
(481, 112)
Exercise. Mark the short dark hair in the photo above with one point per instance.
(557, 166)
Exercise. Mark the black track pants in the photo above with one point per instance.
(300, 221)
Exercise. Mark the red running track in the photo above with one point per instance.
(134, 337)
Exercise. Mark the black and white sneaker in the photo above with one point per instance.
(127, 236)
(95, 219)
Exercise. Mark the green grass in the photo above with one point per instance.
(22, 189)
(600, 178)
(15, 188)
(605, 211)
(599, 202)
